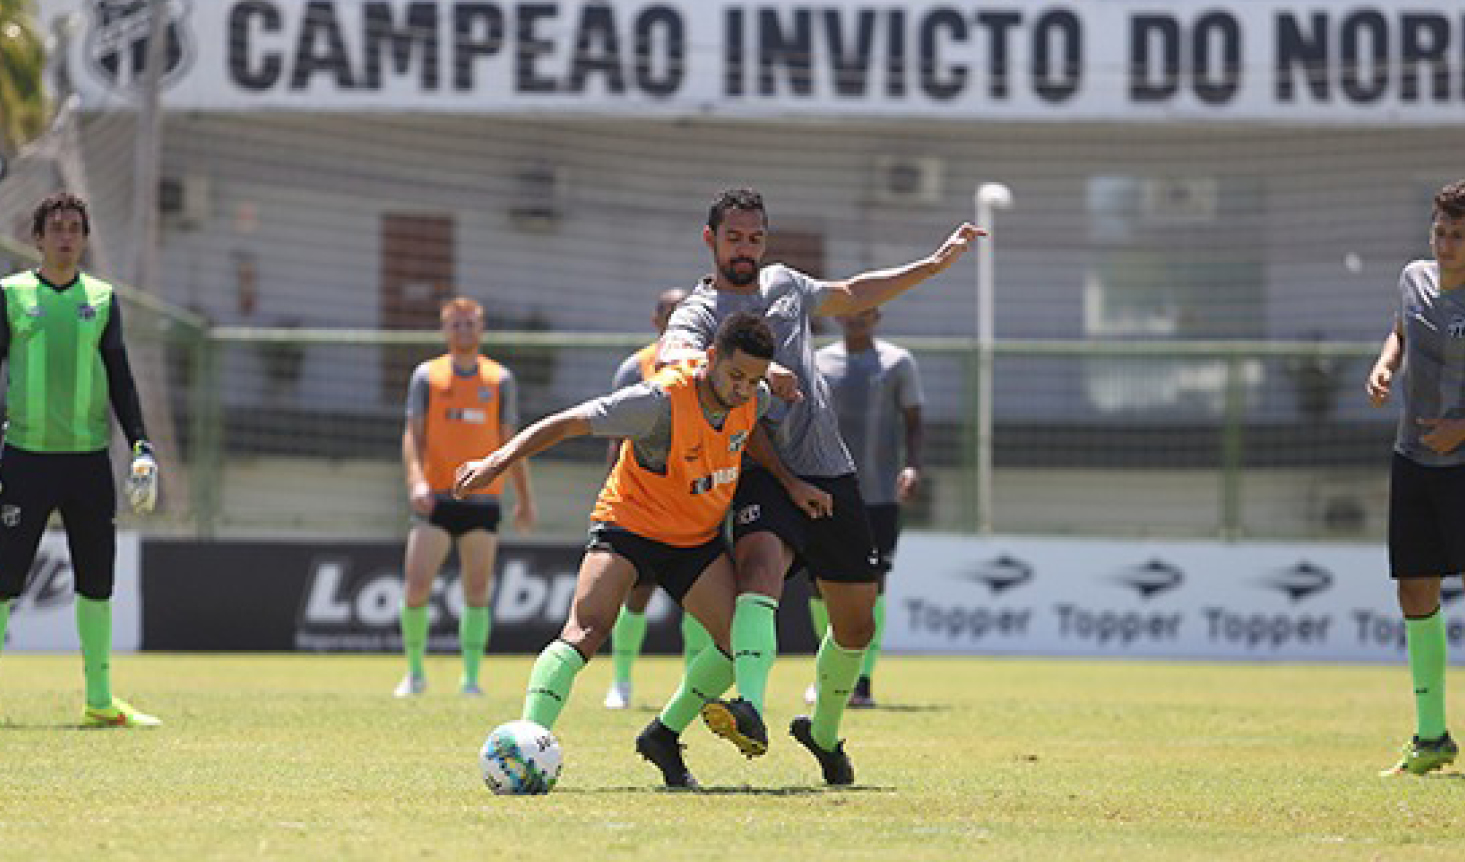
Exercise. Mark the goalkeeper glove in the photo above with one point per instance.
(142, 479)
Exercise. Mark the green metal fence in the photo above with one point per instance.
(293, 431)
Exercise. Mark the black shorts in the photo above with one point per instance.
(462, 516)
(885, 529)
(675, 569)
(1426, 519)
(837, 548)
(80, 486)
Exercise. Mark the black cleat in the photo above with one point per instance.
(862, 697)
(738, 722)
(837, 768)
(659, 745)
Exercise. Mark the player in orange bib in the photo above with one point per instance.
(659, 517)
(629, 633)
(458, 405)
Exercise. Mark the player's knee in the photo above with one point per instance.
(853, 634)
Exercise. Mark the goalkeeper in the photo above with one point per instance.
(61, 338)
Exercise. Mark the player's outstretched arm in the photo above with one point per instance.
(542, 435)
(814, 502)
(878, 287)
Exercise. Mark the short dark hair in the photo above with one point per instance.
(1450, 200)
(55, 203)
(734, 199)
(746, 332)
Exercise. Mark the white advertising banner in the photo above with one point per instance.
(1103, 60)
(42, 618)
(1125, 598)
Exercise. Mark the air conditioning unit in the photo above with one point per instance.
(185, 200)
(908, 179)
(1180, 200)
(536, 197)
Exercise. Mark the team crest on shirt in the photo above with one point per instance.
(86, 312)
(735, 442)
(1457, 327)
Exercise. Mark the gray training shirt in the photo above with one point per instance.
(805, 434)
(871, 390)
(642, 412)
(1433, 323)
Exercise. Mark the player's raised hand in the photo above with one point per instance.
(472, 475)
(956, 245)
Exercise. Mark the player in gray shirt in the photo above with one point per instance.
(1427, 477)
(770, 535)
(877, 396)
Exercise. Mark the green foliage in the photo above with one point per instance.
(24, 107)
(308, 758)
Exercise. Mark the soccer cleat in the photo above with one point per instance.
(1421, 756)
(738, 722)
(836, 764)
(660, 746)
(119, 714)
(467, 689)
(619, 696)
(861, 697)
(811, 693)
(411, 685)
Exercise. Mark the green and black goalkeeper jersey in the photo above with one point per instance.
(66, 362)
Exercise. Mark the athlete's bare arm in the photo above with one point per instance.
(878, 287)
(814, 502)
(542, 435)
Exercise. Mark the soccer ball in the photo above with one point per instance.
(520, 758)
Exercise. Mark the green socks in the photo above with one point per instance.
(694, 639)
(550, 681)
(818, 617)
(872, 652)
(4, 619)
(754, 644)
(94, 627)
(414, 638)
(835, 672)
(473, 631)
(626, 638)
(1425, 637)
(707, 677)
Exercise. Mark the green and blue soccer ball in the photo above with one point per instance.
(520, 758)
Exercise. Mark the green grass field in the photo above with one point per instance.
(304, 757)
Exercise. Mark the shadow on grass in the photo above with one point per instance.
(735, 790)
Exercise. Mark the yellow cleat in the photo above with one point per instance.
(119, 714)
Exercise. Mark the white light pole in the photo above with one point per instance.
(989, 197)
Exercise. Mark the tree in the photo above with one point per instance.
(24, 108)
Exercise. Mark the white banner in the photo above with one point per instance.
(43, 619)
(1100, 60)
(1102, 597)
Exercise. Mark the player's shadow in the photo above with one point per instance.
(734, 790)
(881, 707)
(904, 707)
(7, 726)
